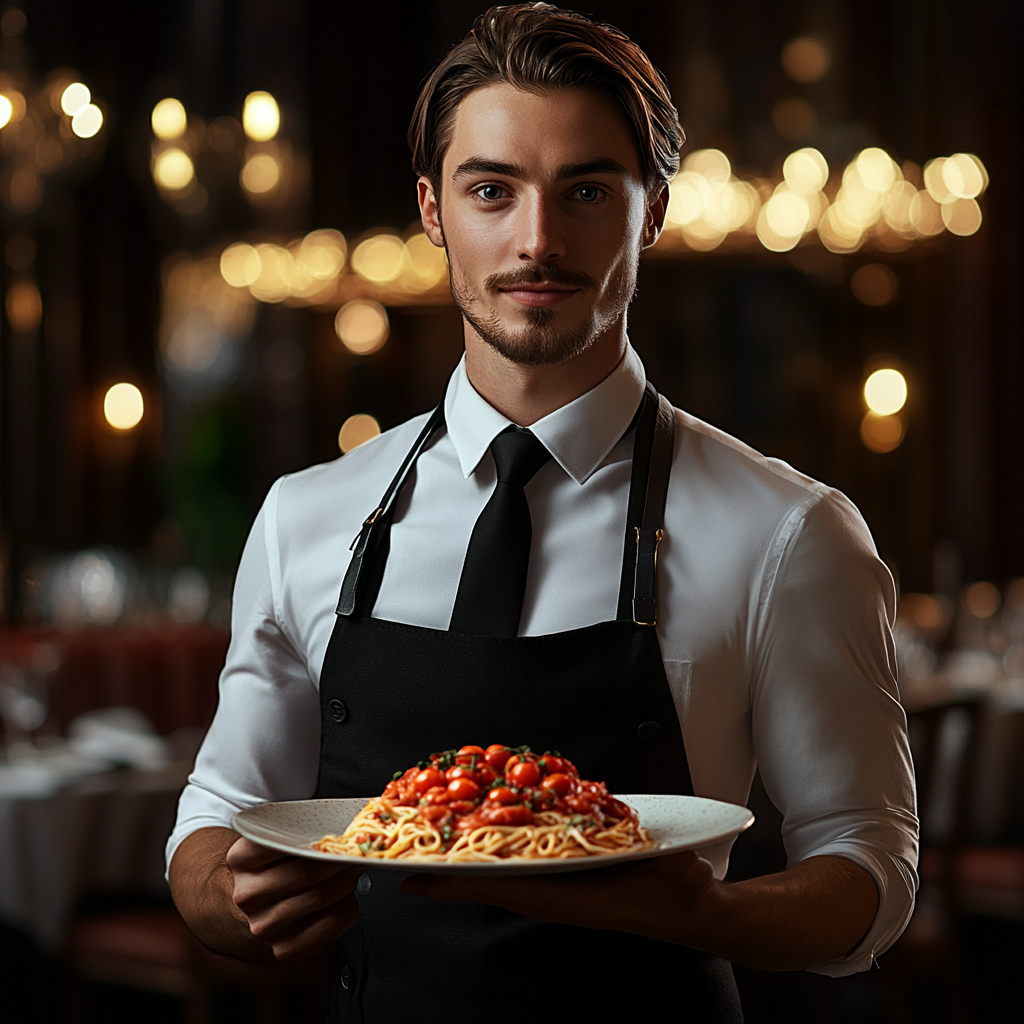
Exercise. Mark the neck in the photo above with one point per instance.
(525, 394)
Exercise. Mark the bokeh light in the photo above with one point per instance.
(877, 170)
(322, 253)
(962, 216)
(87, 121)
(982, 599)
(6, 110)
(169, 119)
(380, 258)
(261, 117)
(123, 406)
(874, 284)
(926, 214)
(881, 433)
(805, 171)
(74, 98)
(357, 430)
(805, 59)
(276, 269)
(885, 391)
(24, 306)
(427, 261)
(362, 326)
(240, 265)
(261, 174)
(173, 169)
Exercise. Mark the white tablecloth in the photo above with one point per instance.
(105, 831)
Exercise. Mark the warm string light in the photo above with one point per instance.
(873, 202)
(316, 269)
(885, 394)
(357, 430)
(123, 406)
(264, 161)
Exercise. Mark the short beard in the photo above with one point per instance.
(541, 343)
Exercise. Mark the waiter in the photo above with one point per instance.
(619, 581)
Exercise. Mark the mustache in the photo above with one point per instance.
(548, 274)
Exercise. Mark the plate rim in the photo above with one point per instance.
(505, 869)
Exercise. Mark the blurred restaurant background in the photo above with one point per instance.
(213, 274)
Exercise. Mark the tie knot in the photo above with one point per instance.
(518, 455)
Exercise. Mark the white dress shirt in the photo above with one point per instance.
(774, 620)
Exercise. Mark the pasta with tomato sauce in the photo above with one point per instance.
(473, 804)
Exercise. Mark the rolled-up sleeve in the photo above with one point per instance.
(829, 733)
(264, 741)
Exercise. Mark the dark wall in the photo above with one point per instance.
(759, 345)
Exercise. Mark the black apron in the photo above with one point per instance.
(391, 694)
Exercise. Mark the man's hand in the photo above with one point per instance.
(248, 902)
(813, 912)
(614, 897)
(296, 906)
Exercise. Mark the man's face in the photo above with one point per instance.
(543, 214)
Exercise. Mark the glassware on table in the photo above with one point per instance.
(24, 703)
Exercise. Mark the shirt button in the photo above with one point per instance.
(346, 977)
(338, 710)
(648, 732)
(363, 885)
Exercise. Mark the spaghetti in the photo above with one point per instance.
(496, 804)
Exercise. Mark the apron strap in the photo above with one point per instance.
(653, 447)
(366, 543)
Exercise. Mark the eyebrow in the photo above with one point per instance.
(481, 165)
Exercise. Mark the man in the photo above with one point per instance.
(544, 145)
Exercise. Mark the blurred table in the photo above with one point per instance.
(996, 805)
(99, 831)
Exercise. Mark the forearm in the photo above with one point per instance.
(812, 913)
(202, 887)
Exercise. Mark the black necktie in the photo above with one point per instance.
(490, 597)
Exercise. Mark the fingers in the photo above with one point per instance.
(307, 936)
(272, 913)
(245, 855)
(617, 897)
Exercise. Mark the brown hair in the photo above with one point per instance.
(537, 46)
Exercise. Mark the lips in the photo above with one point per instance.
(540, 294)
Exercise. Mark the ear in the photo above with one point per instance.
(654, 219)
(430, 211)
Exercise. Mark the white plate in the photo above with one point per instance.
(676, 823)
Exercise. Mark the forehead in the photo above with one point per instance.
(547, 128)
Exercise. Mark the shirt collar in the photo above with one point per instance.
(578, 435)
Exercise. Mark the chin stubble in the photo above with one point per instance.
(541, 343)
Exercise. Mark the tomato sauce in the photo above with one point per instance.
(464, 789)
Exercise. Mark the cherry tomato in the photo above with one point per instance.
(569, 768)
(461, 771)
(435, 812)
(512, 816)
(496, 755)
(427, 779)
(487, 776)
(526, 773)
(463, 789)
(469, 755)
(559, 783)
(552, 765)
(512, 762)
(503, 795)
(437, 795)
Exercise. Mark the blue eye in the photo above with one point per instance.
(589, 193)
(491, 192)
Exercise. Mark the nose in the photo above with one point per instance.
(541, 238)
